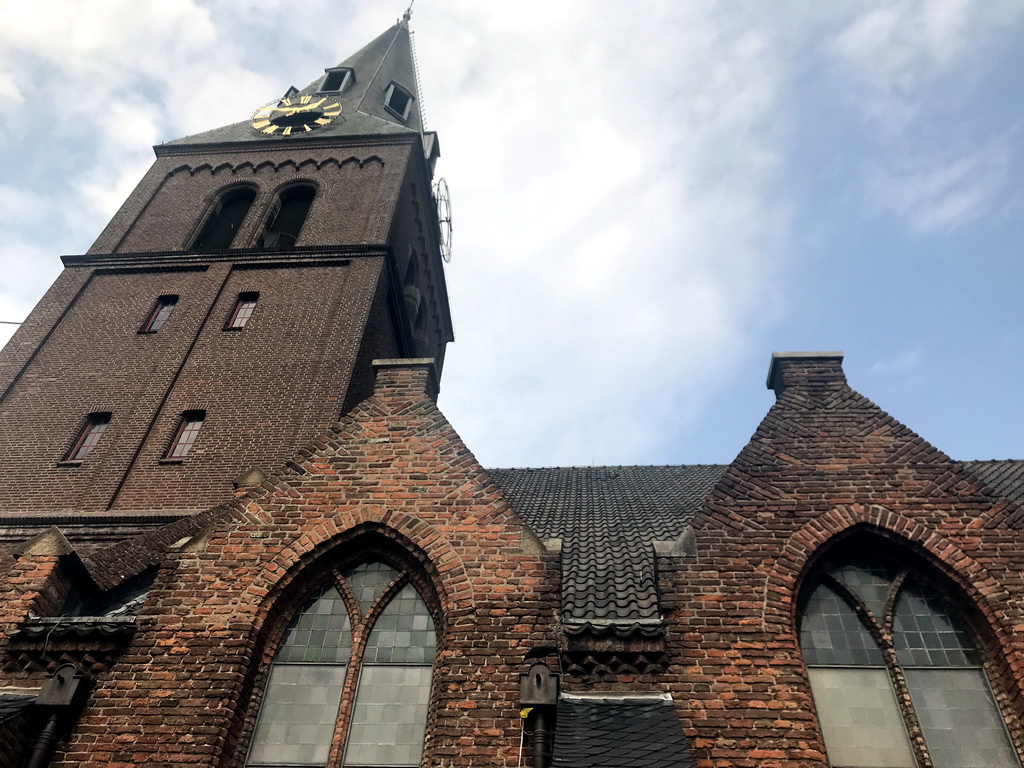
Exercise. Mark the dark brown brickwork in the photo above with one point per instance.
(357, 190)
(304, 357)
(266, 388)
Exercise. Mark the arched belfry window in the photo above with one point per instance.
(369, 625)
(287, 217)
(225, 219)
(890, 655)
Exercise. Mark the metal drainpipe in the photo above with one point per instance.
(62, 694)
(45, 742)
(541, 741)
(538, 691)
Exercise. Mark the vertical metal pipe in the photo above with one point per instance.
(45, 743)
(541, 738)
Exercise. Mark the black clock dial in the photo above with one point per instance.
(295, 115)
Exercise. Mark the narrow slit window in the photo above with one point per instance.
(243, 310)
(225, 220)
(398, 101)
(288, 216)
(187, 433)
(161, 314)
(89, 437)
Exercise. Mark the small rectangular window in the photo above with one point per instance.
(243, 310)
(188, 430)
(160, 314)
(95, 425)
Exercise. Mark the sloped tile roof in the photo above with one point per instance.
(13, 704)
(78, 626)
(641, 732)
(1006, 478)
(608, 519)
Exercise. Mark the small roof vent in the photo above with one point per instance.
(336, 80)
(398, 101)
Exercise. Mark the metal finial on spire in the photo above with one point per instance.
(408, 11)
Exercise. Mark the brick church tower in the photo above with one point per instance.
(231, 309)
(236, 531)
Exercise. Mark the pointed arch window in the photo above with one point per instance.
(224, 221)
(369, 625)
(287, 217)
(889, 654)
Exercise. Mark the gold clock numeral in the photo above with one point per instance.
(306, 111)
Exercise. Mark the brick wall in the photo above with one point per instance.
(825, 462)
(266, 389)
(320, 320)
(357, 188)
(392, 476)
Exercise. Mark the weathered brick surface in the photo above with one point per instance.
(391, 477)
(392, 480)
(824, 464)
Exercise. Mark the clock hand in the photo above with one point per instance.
(306, 108)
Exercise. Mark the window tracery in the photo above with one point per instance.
(367, 625)
(890, 657)
(287, 217)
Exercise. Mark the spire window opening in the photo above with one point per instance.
(368, 624)
(89, 436)
(160, 314)
(870, 628)
(398, 101)
(224, 221)
(287, 217)
(336, 80)
(186, 435)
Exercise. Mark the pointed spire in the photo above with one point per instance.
(378, 94)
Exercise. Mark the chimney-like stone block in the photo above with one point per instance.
(409, 378)
(805, 370)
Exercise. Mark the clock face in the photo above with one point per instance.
(295, 115)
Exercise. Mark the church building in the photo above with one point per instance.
(237, 532)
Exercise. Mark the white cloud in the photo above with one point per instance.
(940, 194)
(628, 204)
(620, 178)
(906, 362)
(893, 51)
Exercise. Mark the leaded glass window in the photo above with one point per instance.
(872, 629)
(367, 624)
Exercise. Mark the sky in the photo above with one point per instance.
(649, 198)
